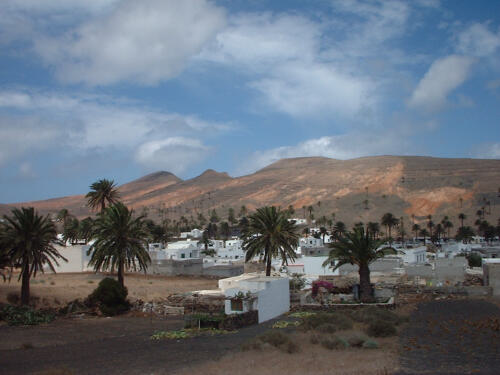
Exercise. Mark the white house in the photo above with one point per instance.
(195, 233)
(232, 250)
(270, 296)
(413, 256)
(77, 257)
(310, 242)
(311, 266)
(298, 221)
(180, 250)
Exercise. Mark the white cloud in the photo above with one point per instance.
(26, 171)
(174, 154)
(488, 151)
(444, 76)
(142, 41)
(478, 40)
(346, 146)
(80, 124)
(315, 90)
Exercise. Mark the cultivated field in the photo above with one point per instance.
(55, 290)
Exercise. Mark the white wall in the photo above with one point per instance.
(312, 266)
(76, 256)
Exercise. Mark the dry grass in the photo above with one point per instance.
(311, 359)
(55, 290)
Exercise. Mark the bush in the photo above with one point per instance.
(279, 340)
(370, 344)
(334, 343)
(23, 315)
(381, 328)
(326, 328)
(110, 297)
(320, 284)
(475, 260)
(337, 320)
(371, 314)
(297, 282)
(356, 339)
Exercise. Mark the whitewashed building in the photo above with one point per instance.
(232, 250)
(195, 233)
(270, 296)
(310, 242)
(178, 250)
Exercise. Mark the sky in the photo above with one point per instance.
(120, 88)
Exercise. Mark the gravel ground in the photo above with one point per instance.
(452, 337)
(120, 345)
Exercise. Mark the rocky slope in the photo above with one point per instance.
(360, 189)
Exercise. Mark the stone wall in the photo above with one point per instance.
(492, 277)
(224, 271)
(171, 267)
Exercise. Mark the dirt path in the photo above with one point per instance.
(109, 346)
(452, 337)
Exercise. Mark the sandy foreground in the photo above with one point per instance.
(54, 290)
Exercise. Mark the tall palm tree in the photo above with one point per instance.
(359, 248)
(415, 228)
(339, 229)
(28, 239)
(389, 221)
(102, 192)
(270, 232)
(462, 217)
(121, 242)
(424, 233)
(373, 228)
(85, 230)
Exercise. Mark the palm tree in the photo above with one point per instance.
(415, 228)
(205, 241)
(430, 224)
(373, 229)
(361, 249)
(70, 231)
(28, 240)
(102, 192)
(323, 232)
(63, 215)
(462, 217)
(339, 229)
(424, 233)
(85, 230)
(270, 231)
(121, 242)
(389, 221)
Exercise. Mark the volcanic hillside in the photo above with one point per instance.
(355, 190)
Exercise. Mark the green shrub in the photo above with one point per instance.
(297, 282)
(381, 328)
(337, 320)
(475, 260)
(370, 344)
(279, 340)
(110, 297)
(356, 339)
(22, 315)
(334, 343)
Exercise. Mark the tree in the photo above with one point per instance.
(389, 221)
(415, 228)
(373, 229)
(464, 234)
(339, 229)
(63, 215)
(243, 211)
(28, 240)
(462, 217)
(225, 230)
(424, 233)
(214, 218)
(102, 192)
(359, 248)
(230, 217)
(86, 228)
(121, 242)
(269, 231)
(205, 241)
(71, 233)
(323, 233)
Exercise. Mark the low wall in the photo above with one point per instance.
(492, 277)
(171, 267)
(224, 271)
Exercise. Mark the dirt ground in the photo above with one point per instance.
(55, 290)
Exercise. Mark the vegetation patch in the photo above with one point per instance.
(280, 341)
(110, 297)
(333, 343)
(22, 315)
(336, 321)
(381, 328)
(302, 314)
(285, 324)
(188, 333)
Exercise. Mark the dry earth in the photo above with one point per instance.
(55, 290)
(405, 186)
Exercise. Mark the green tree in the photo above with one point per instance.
(71, 231)
(230, 217)
(339, 229)
(462, 217)
(205, 241)
(464, 234)
(28, 240)
(358, 248)
(225, 230)
(101, 193)
(415, 228)
(243, 211)
(389, 221)
(214, 218)
(121, 242)
(270, 232)
(424, 233)
(86, 228)
(63, 215)
(373, 228)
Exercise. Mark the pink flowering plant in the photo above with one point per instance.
(321, 283)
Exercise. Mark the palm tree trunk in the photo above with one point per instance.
(25, 287)
(268, 263)
(120, 274)
(364, 283)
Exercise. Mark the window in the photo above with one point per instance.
(183, 255)
(237, 305)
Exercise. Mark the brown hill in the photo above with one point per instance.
(360, 189)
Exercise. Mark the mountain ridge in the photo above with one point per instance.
(360, 189)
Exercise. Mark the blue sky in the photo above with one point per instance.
(117, 89)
